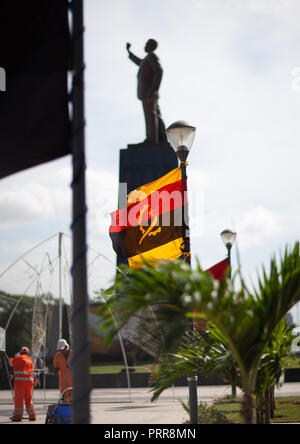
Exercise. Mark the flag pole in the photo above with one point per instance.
(80, 341)
(186, 249)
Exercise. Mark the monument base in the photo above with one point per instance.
(146, 144)
(144, 162)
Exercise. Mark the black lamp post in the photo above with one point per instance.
(228, 237)
(181, 136)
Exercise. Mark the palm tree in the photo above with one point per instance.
(204, 352)
(175, 291)
(271, 370)
(207, 353)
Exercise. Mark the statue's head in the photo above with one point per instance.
(151, 45)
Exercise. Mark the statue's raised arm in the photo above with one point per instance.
(133, 57)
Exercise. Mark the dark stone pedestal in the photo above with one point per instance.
(140, 164)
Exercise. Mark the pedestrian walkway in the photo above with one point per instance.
(121, 406)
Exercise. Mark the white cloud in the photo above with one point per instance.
(30, 202)
(257, 226)
(43, 197)
(47, 198)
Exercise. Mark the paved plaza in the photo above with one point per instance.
(123, 406)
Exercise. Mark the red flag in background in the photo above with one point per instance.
(218, 271)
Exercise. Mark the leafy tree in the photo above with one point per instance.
(19, 331)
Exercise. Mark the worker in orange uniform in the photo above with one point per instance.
(24, 382)
(61, 364)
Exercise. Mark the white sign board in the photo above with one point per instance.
(2, 340)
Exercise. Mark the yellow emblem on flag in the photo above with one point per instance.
(149, 231)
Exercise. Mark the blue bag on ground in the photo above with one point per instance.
(59, 414)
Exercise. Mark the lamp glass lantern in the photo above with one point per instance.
(228, 237)
(181, 136)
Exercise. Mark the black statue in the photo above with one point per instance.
(149, 78)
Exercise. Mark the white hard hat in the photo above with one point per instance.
(62, 344)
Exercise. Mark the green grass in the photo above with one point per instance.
(291, 362)
(141, 367)
(230, 409)
(287, 409)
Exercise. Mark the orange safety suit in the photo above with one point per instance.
(62, 363)
(24, 381)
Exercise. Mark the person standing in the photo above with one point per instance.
(23, 385)
(61, 364)
(149, 79)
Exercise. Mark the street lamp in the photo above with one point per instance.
(181, 136)
(228, 237)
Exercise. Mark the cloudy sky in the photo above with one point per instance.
(232, 69)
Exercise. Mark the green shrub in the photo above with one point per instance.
(207, 414)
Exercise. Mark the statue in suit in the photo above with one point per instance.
(149, 79)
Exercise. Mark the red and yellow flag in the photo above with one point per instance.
(150, 227)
